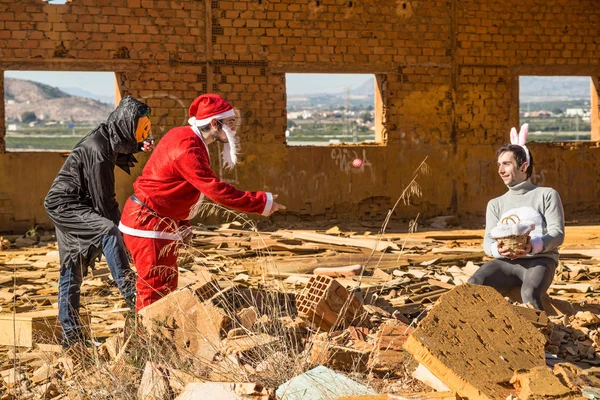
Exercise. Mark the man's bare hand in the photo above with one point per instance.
(514, 254)
(186, 235)
(276, 206)
(148, 145)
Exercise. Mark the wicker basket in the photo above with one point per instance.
(513, 242)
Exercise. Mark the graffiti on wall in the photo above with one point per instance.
(345, 159)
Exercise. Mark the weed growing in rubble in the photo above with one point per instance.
(272, 348)
(32, 232)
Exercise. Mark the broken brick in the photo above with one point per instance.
(252, 349)
(539, 383)
(343, 358)
(326, 304)
(573, 376)
(205, 286)
(248, 317)
(388, 353)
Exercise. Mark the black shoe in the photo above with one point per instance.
(130, 301)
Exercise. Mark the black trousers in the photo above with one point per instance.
(533, 275)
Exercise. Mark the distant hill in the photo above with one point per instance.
(74, 91)
(361, 95)
(50, 103)
(366, 88)
(532, 88)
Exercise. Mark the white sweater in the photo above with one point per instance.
(541, 205)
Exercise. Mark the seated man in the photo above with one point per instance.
(532, 266)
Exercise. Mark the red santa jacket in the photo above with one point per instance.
(178, 173)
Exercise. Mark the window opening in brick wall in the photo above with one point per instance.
(557, 108)
(58, 1)
(324, 109)
(51, 110)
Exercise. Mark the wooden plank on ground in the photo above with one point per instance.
(368, 243)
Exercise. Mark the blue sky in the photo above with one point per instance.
(322, 83)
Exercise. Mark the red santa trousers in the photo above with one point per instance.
(154, 258)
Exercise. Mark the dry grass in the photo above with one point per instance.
(284, 356)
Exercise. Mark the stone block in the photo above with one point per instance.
(472, 340)
(29, 328)
(195, 328)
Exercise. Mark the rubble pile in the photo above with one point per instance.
(262, 315)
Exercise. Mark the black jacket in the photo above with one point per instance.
(81, 201)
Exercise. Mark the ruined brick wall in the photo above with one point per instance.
(497, 43)
(448, 73)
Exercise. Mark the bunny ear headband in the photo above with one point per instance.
(520, 139)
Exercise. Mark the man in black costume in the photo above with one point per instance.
(81, 203)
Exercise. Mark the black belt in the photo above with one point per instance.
(134, 198)
(141, 203)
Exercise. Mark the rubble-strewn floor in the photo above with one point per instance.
(248, 292)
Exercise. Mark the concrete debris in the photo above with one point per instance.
(47, 390)
(110, 349)
(574, 338)
(539, 383)
(42, 374)
(225, 391)
(25, 242)
(155, 383)
(204, 284)
(537, 317)
(239, 316)
(320, 383)
(425, 376)
(249, 348)
(575, 377)
(473, 326)
(179, 379)
(406, 396)
(193, 327)
(336, 272)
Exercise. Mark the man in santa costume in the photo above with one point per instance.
(155, 219)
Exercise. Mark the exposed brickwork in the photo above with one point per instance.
(447, 70)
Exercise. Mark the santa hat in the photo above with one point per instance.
(207, 107)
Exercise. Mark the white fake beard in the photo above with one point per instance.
(230, 148)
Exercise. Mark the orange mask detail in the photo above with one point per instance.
(143, 129)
